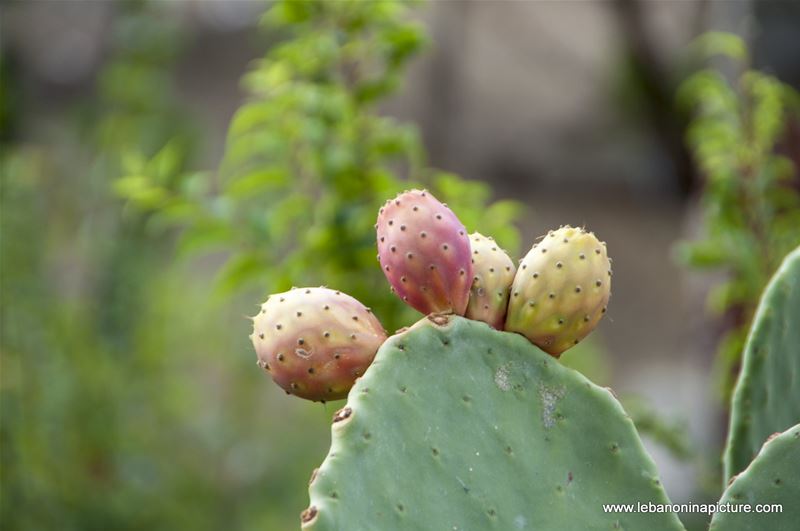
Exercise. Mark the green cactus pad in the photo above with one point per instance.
(772, 478)
(767, 396)
(456, 426)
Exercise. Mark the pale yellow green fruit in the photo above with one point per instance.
(561, 290)
(493, 272)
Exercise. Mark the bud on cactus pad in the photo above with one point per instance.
(315, 342)
(561, 290)
(493, 272)
(424, 252)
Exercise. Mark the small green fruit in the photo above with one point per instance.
(561, 290)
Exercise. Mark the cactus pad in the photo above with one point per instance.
(767, 395)
(456, 426)
(772, 478)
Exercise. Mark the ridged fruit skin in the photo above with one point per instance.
(492, 275)
(561, 290)
(315, 342)
(424, 252)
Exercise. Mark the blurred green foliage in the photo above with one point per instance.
(129, 394)
(751, 194)
(107, 355)
(309, 161)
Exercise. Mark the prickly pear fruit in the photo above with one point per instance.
(493, 272)
(315, 342)
(561, 290)
(424, 252)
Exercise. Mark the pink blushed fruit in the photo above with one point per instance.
(424, 251)
(315, 342)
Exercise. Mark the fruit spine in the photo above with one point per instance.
(315, 342)
(561, 290)
(424, 252)
(493, 274)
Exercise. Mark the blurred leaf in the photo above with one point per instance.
(205, 237)
(138, 188)
(256, 182)
(720, 43)
(702, 254)
(133, 162)
(249, 116)
(403, 43)
(167, 163)
(239, 270)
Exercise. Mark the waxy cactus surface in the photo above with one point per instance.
(315, 342)
(767, 395)
(424, 252)
(561, 290)
(458, 426)
(771, 479)
(493, 272)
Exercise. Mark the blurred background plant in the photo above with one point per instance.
(128, 393)
(309, 161)
(102, 398)
(744, 133)
(95, 401)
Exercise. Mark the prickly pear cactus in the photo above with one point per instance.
(561, 290)
(424, 252)
(493, 272)
(456, 426)
(315, 342)
(772, 478)
(767, 395)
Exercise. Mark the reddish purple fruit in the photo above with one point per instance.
(424, 252)
(315, 342)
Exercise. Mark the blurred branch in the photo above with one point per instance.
(657, 88)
